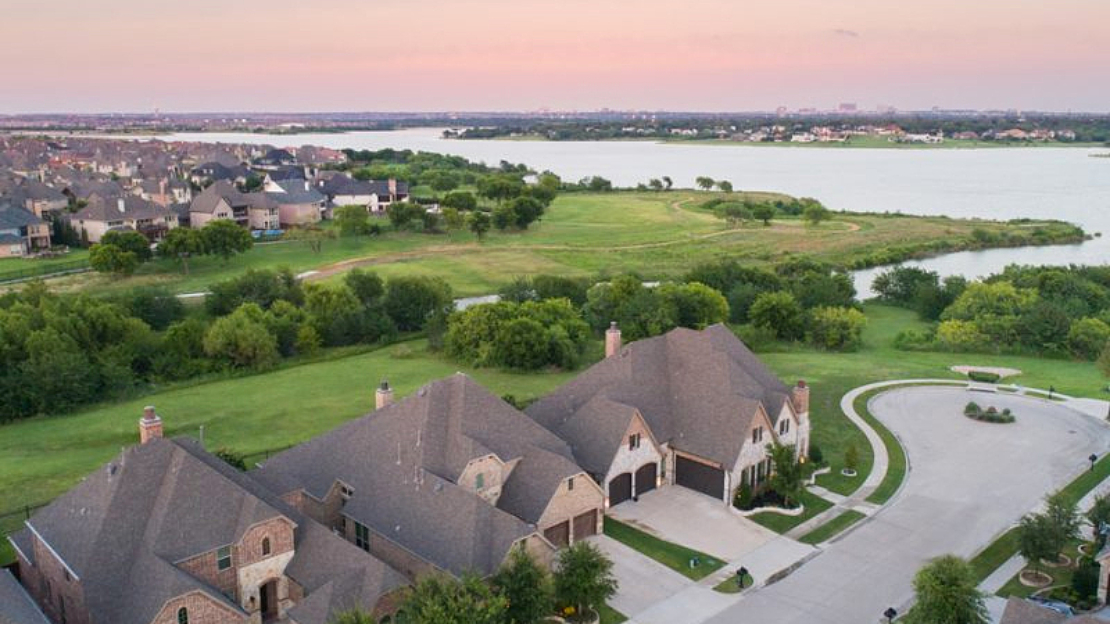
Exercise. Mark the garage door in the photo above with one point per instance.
(585, 525)
(559, 535)
(700, 477)
(645, 478)
(620, 488)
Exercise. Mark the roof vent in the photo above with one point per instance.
(438, 486)
(397, 529)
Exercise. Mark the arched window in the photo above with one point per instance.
(265, 546)
(182, 616)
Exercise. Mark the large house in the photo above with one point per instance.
(375, 196)
(692, 408)
(222, 200)
(123, 212)
(298, 203)
(451, 478)
(167, 532)
(21, 231)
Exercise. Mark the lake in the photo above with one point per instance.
(994, 183)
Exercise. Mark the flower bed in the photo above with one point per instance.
(990, 414)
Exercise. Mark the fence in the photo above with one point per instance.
(56, 268)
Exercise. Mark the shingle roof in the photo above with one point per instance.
(411, 453)
(1021, 611)
(296, 193)
(207, 200)
(108, 209)
(697, 390)
(16, 607)
(12, 217)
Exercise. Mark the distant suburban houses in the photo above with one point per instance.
(450, 479)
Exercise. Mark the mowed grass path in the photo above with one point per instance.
(658, 235)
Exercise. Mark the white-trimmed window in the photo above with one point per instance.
(223, 558)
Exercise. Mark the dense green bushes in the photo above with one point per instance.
(529, 335)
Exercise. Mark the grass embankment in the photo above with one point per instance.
(781, 523)
(657, 235)
(672, 555)
(277, 409)
(833, 527)
(1006, 545)
(896, 455)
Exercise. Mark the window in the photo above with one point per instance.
(784, 426)
(265, 546)
(570, 483)
(362, 536)
(633, 441)
(346, 492)
(757, 435)
(223, 558)
(480, 481)
(182, 616)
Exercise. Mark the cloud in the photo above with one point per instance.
(844, 32)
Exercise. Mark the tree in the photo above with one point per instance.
(656, 184)
(526, 586)
(351, 220)
(105, 258)
(401, 214)
(815, 213)
(725, 186)
(521, 344)
(787, 478)
(479, 223)
(1037, 539)
(181, 244)
(500, 187)
(411, 300)
(525, 211)
(597, 184)
(439, 599)
(764, 212)
(836, 328)
(1099, 514)
(129, 240)
(453, 219)
(1065, 518)
(503, 217)
(697, 305)
(704, 182)
(735, 213)
(1087, 337)
(241, 339)
(584, 577)
(947, 593)
(460, 200)
(366, 286)
(668, 182)
(224, 238)
(311, 235)
(778, 312)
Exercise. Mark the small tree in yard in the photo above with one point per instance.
(584, 577)
(479, 223)
(181, 244)
(788, 476)
(312, 236)
(1098, 514)
(352, 220)
(111, 259)
(947, 593)
(444, 600)
(224, 238)
(1037, 539)
(527, 588)
(1064, 517)
(128, 240)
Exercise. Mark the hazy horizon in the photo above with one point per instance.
(565, 55)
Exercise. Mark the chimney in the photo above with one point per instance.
(392, 187)
(612, 340)
(800, 397)
(150, 425)
(383, 396)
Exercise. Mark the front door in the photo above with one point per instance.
(268, 601)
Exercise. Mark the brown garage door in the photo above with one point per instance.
(559, 535)
(585, 525)
(645, 478)
(700, 477)
(620, 488)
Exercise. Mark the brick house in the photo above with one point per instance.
(451, 478)
(221, 200)
(21, 231)
(168, 533)
(692, 408)
(298, 202)
(123, 212)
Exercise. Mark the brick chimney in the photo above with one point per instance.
(150, 425)
(392, 184)
(800, 397)
(612, 340)
(383, 396)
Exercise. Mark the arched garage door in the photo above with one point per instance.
(645, 478)
(700, 477)
(620, 488)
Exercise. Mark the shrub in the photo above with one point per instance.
(983, 376)
(836, 328)
(743, 497)
(913, 340)
(972, 408)
(815, 454)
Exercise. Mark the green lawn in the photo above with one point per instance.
(896, 455)
(729, 586)
(658, 235)
(672, 555)
(833, 527)
(609, 615)
(1061, 576)
(781, 523)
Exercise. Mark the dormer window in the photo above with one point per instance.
(223, 558)
(265, 547)
(570, 483)
(633, 441)
(480, 481)
(182, 616)
(784, 426)
(757, 435)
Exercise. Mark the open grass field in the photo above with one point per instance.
(657, 235)
(42, 457)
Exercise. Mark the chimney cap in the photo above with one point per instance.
(149, 413)
(613, 325)
(384, 386)
(801, 383)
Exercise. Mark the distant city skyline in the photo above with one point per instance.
(564, 55)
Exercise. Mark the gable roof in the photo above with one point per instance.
(16, 607)
(109, 209)
(698, 390)
(295, 192)
(14, 217)
(207, 200)
(412, 452)
(1021, 611)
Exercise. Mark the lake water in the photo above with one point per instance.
(995, 183)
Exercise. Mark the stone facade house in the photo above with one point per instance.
(450, 479)
(375, 196)
(298, 203)
(692, 408)
(222, 200)
(168, 533)
(123, 212)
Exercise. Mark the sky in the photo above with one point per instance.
(527, 55)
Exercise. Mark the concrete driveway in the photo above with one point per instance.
(969, 482)
(643, 581)
(694, 520)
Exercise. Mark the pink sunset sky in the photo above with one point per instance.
(459, 55)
